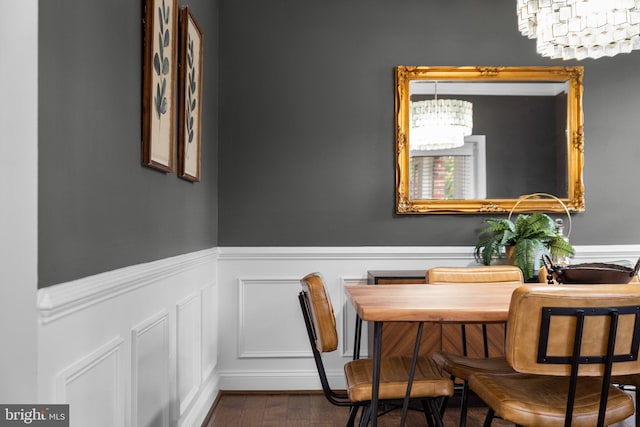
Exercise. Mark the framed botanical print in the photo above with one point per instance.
(159, 84)
(190, 104)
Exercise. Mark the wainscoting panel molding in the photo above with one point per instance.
(265, 319)
(209, 331)
(77, 385)
(150, 392)
(162, 367)
(262, 341)
(349, 322)
(189, 333)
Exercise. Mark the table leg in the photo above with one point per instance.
(375, 386)
(358, 338)
(412, 371)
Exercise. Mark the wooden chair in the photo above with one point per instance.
(429, 383)
(565, 342)
(462, 366)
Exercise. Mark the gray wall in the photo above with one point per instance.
(99, 209)
(517, 145)
(307, 127)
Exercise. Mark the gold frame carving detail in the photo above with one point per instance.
(575, 138)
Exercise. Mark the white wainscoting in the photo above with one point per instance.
(153, 344)
(150, 392)
(96, 383)
(262, 340)
(133, 347)
(189, 335)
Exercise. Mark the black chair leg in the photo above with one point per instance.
(443, 405)
(353, 412)
(444, 400)
(365, 417)
(464, 404)
(435, 413)
(489, 418)
(428, 413)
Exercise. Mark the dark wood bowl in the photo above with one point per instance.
(595, 273)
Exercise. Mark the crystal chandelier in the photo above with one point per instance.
(439, 124)
(579, 29)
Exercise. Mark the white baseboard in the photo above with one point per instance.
(279, 380)
(203, 403)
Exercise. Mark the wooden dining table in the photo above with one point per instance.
(450, 303)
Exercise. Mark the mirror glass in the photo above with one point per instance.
(475, 139)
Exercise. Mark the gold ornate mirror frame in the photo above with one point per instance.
(574, 200)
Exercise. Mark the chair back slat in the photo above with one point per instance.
(554, 329)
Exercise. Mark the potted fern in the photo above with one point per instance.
(524, 241)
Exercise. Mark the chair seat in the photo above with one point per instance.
(429, 380)
(518, 398)
(462, 367)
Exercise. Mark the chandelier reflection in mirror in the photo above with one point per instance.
(579, 29)
(439, 124)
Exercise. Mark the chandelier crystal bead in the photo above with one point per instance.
(579, 29)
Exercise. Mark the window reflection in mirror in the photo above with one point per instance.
(454, 173)
(527, 138)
